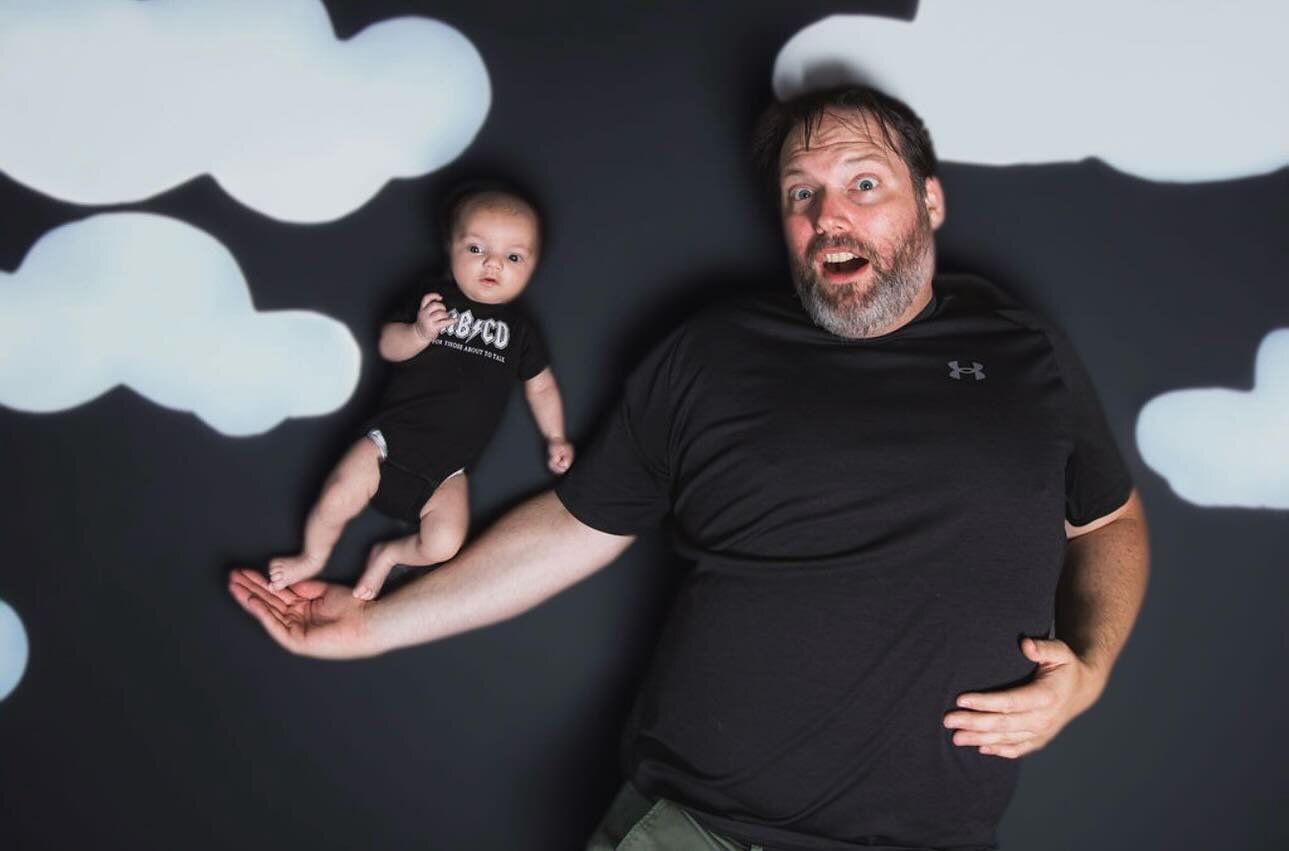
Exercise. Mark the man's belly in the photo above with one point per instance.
(811, 701)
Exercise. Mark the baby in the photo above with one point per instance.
(455, 351)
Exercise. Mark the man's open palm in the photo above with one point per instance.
(311, 618)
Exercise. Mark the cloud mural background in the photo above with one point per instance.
(13, 649)
(148, 302)
(1147, 86)
(259, 94)
(1225, 447)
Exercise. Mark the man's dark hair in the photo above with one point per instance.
(463, 193)
(901, 129)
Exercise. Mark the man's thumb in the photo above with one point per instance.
(1044, 650)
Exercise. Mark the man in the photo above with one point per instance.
(892, 485)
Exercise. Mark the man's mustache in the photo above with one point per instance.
(822, 243)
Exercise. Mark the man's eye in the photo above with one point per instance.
(514, 258)
(474, 249)
(866, 184)
(800, 193)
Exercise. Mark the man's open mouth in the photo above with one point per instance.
(839, 265)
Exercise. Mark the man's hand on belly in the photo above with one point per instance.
(1016, 721)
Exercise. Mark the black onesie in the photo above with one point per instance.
(875, 523)
(442, 405)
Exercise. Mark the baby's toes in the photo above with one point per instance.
(378, 567)
(290, 571)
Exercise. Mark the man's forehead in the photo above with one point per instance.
(848, 132)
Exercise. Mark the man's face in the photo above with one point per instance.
(859, 236)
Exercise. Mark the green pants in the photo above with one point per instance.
(637, 823)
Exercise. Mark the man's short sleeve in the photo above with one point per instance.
(533, 357)
(621, 483)
(1096, 479)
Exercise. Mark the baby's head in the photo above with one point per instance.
(493, 239)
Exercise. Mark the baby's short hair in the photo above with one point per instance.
(492, 193)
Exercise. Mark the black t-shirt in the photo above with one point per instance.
(442, 405)
(875, 523)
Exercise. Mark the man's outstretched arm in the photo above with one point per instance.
(1101, 588)
(529, 555)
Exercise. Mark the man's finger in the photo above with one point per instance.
(1009, 737)
(1025, 698)
(254, 580)
(988, 722)
(1006, 751)
(252, 601)
(273, 625)
(239, 581)
(1046, 651)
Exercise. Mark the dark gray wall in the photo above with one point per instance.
(153, 713)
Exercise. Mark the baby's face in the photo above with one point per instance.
(493, 252)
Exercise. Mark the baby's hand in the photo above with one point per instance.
(559, 455)
(431, 317)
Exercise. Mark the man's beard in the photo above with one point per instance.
(845, 309)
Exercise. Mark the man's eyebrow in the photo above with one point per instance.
(876, 157)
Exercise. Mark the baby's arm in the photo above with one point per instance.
(542, 394)
(402, 340)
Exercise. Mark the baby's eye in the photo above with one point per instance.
(474, 249)
(514, 258)
(800, 193)
(866, 184)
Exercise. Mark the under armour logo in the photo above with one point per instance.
(956, 372)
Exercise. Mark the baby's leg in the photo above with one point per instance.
(445, 518)
(348, 490)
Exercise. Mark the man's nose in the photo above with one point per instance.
(830, 212)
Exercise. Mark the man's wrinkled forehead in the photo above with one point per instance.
(849, 129)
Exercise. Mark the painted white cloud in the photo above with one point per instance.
(161, 307)
(1172, 90)
(13, 649)
(1221, 447)
(113, 101)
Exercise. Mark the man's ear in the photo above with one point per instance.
(934, 200)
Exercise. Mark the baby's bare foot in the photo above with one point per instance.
(379, 563)
(288, 570)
